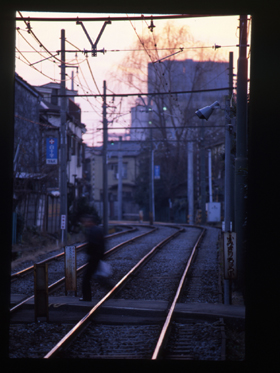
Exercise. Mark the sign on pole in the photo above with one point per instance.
(63, 221)
(230, 255)
(51, 146)
(157, 172)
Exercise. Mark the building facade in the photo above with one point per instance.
(29, 178)
(128, 152)
(37, 139)
(50, 114)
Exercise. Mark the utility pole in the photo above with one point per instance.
(228, 167)
(105, 174)
(120, 180)
(190, 183)
(210, 174)
(151, 194)
(241, 162)
(63, 144)
(202, 176)
(228, 214)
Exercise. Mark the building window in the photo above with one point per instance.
(68, 148)
(83, 153)
(114, 168)
(73, 145)
(54, 98)
(79, 154)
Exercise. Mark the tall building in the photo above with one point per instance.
(178, 110)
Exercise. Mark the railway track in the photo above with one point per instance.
(132, 349)
(149, 273)
(60, 282)
(27, 270)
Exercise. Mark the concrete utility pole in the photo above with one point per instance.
(120, 180)
(228, 214)
(190, 183)
(202, 176)
(241, 161)
(210, 174)
(228, 167)
(105, 175)
(63, 146)
(151, 194)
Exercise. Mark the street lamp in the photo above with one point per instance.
(205, 112)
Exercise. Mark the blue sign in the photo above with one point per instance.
(51, 146)
(157, 172)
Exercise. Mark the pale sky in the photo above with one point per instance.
(117, 35)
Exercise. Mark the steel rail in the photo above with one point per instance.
(54, 257)
(59, 282)
(163, 334)
(83, 323)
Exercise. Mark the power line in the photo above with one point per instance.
(137, 49)
(146, 50)
(88, 67)
(30, 65)
(35, 37)
(93, 77)
(29, 28)
(35, 122)
(159, 128)
(150, 94)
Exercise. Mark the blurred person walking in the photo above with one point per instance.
(95, 251)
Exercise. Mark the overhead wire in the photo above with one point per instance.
(57, 59)
(161, 76)
(35, 37)
(39, 52)
(150, 57)
(93, 131)
(38, 41)
(30, 65)
(90, 72)
(79, 50)
(92, 76)
(85, 97)
(142, 50)
(155, 44)
(41, 45)
(160, 59)
(55, 80)
(86, 59)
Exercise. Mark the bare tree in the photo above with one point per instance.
(160, 64)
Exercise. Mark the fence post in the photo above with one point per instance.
(41, 295)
